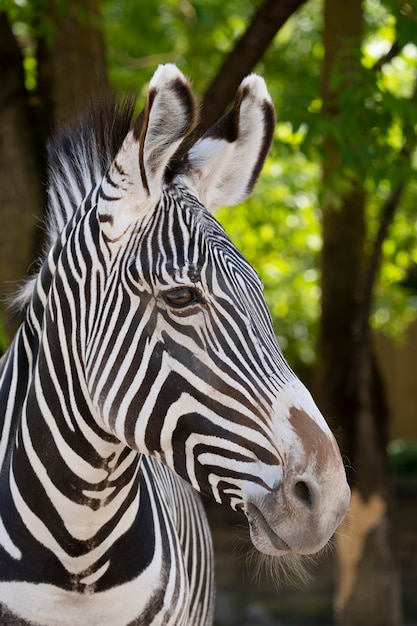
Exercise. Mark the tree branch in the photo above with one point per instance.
(374, 260)
(387, 217)
(371, 269)
(267, 21)
(388, 56)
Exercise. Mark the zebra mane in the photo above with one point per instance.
(77, 158)
(79, 155)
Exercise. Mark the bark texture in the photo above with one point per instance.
(71, 68)
(72, 64)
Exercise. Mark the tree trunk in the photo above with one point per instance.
(71, 69)
(72, 64)
(21, 191)
(351, 394)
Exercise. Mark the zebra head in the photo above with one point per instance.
(181, 359)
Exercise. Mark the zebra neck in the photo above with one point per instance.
(92, 502)
(91, 476)
(61, 467)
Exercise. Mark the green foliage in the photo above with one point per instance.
(375, 133)
(195, 35)
(375, 136)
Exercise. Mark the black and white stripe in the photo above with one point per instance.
(146, 363)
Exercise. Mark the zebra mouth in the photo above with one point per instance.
(263, 537)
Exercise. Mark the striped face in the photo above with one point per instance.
(181, 358)
(196, 382)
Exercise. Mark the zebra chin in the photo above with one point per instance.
(263, 537)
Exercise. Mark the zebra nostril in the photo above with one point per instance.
(304, 493)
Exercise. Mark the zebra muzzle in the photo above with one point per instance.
(295, 517)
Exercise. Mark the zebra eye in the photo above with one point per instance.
(180, 297)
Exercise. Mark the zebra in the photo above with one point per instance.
(146, 370)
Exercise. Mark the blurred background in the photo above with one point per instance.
(331, 229)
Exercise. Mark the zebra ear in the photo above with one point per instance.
(133, 182)
(223, 166)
